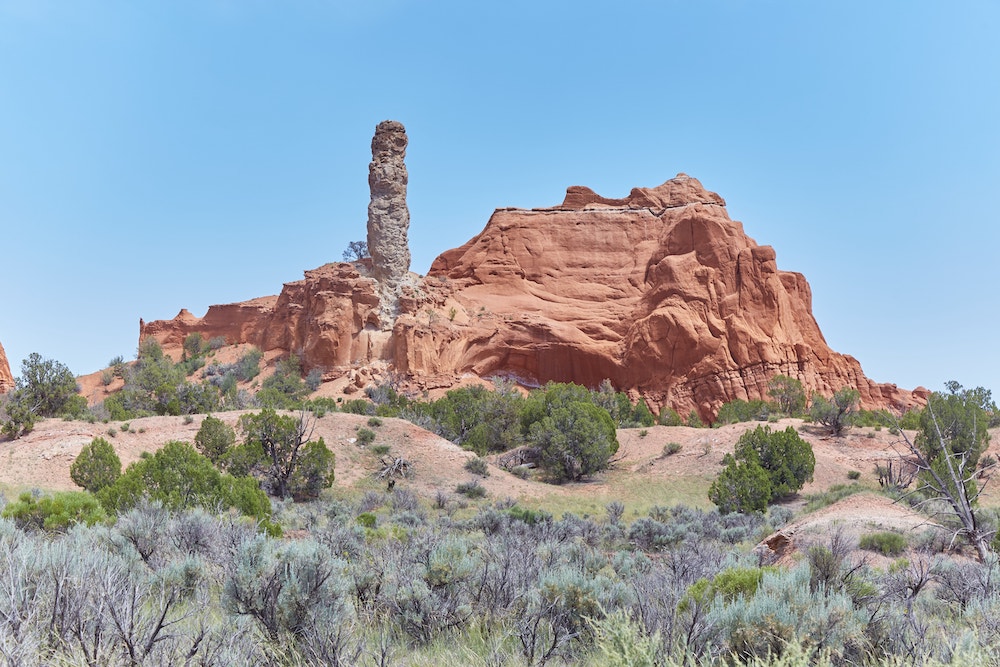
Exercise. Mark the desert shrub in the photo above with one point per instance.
(910, 420)
(374, 422)
(669, 417)
(728, 585)
(284, 389)
(574, 437)
(96, 466)
(44, 388)
(778, 516)
(620, 408)
(284, 586)
(788, 394)
(214, 438)
(622, 642)
(837, 413)
(366, 436)
(886, 543)
(853, 474)
(278, 451)
(694, 420)
(380, 450)
(320, 406)
(528, 516)
(56, 512)
(473, 490)
(404, 500)
(738, 411)
(371, 500)
(765, 466)
(226, 376)
(358, 406)
(651, 535)
(179, 477)
(477, 466)
(671, 448)
(782, 611)
(313, 472)
(479, 419)
(314, 378)
(741, 487)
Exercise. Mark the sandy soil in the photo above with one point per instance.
(42, 460)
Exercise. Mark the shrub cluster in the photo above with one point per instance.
(765, 466)
(389, 580)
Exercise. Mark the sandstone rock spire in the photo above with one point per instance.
(388, 216)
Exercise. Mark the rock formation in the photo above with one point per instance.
(660, 292)
(6, 378)
(388, 215)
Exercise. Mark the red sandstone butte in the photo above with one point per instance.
(660, 292)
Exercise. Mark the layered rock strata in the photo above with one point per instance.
(660, 292)
(6, 378)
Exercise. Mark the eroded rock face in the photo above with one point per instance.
(330, 319)
(660, 292)
(6, 378)
(388, 215)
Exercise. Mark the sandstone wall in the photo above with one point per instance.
(6, 378)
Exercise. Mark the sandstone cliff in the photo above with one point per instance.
(660, 292)
(6, 378)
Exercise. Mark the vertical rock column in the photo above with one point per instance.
(388, 216)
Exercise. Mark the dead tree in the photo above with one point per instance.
(949, 473)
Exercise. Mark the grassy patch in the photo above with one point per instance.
(638, 494)
(816, 501)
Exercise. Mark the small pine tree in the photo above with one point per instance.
(837, 413)
(764, 467)
(214, 439)
(97, 466)
(788, 394)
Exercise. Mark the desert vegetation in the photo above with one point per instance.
(239, 549)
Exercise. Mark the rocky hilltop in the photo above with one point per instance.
(659, 292)
(6, 378)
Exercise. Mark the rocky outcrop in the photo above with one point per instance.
(330, 319)
(6, 378)
(388, 215)
(660, 292)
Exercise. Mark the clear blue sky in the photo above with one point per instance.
(165, 154)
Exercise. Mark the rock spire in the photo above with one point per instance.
(388, 216)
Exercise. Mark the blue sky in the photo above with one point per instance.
(159, 155)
